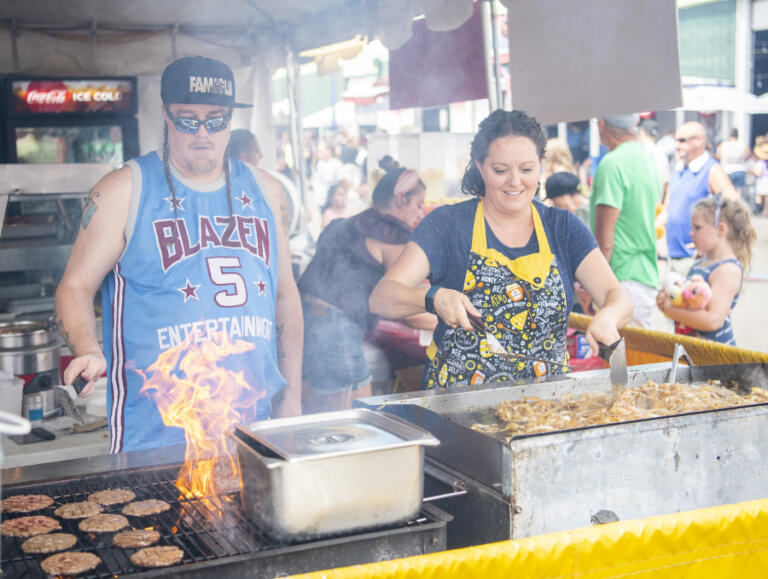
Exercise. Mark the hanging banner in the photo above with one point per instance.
(572, 61)
(437, 68)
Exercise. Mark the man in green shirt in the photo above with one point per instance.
(625, 192)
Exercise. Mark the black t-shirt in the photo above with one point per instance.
(343, 272)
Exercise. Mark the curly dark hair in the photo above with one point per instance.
(499, 123)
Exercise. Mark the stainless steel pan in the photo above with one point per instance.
(320, 474)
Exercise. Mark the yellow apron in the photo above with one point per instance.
(523, 299)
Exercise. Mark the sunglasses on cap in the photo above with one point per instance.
(191, 126)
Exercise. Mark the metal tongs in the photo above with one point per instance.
(65, 395)
(678, 353)
(496, 346)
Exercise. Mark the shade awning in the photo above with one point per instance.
(142, 36)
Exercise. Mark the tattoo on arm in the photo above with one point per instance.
(279, 342)
(89, 209)
(64, 335)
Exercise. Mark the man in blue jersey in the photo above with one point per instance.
(187, 245)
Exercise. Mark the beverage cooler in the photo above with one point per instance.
(58, 120)
(58, 137)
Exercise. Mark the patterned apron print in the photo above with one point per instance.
(523, 299)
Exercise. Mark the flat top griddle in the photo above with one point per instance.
(558, 480)
(450, 413)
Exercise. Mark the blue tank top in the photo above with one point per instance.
(724, 334)
(197, 273)
(685, 189)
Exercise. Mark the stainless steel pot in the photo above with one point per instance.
(321, 474)
(29, 347)
(25, 334)
(34, 360)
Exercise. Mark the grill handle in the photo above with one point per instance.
(456, 493)
(458, 487)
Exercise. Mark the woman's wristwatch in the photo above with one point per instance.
(429, 299)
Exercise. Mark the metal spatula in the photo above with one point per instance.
(65, 397)
(616, 356)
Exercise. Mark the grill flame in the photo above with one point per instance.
(194, 393)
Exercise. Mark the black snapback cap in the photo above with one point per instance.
(196, 80)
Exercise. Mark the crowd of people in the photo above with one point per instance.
(190, 243)
(658, 213)
(336, 170)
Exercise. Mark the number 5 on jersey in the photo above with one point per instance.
(235, 293)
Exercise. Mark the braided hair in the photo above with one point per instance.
(169, 180)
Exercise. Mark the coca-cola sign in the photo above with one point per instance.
(43, 96)
(47, 97)
(72, 96)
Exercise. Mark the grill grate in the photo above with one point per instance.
(189, 524)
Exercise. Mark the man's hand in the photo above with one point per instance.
(91, 366)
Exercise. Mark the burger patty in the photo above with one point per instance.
(103, 524)
(50, 543)
(29, 526)
(112, 496)
(144, 508)
(157, 556)
(135, 539)
(81, 510)
(26, 503)
(69, 563)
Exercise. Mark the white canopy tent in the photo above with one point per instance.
(706, 98)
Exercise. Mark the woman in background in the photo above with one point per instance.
(557, 158)
(352, 255)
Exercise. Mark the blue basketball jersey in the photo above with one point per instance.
(195, 271)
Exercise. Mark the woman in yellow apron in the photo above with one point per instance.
(502, 262)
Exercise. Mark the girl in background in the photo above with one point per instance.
(336, 204)
(722, 232)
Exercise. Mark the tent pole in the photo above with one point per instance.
(293, 74)
(491, 55)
